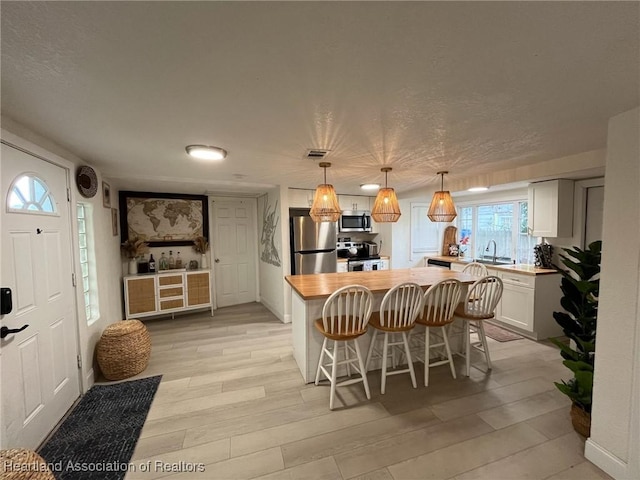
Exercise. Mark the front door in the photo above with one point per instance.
(235, 251)
(40, 379)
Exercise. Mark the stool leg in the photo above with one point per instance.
(409, 361)
(324, 346)
(346, 357)
(383, 381)
(370, 352)
(483, 338)
(449, 355)
(334, 370)
(363, 371)
(467, 345)
(426, 356)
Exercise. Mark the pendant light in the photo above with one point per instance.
(442, 208)
(325, 207)
(386, 208)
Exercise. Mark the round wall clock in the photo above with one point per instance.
(87, 181)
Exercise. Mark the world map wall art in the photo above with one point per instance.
(163, 218)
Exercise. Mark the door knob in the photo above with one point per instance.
(4, 331)
(217, 260)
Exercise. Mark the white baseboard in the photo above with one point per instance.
(272, 309)
(606, 461)
(89, 380)
(287, 318)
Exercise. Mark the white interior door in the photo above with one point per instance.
(40, 379)
(235, 251)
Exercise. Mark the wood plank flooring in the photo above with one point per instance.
(232, 400)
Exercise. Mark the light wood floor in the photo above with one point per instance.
(232, 399)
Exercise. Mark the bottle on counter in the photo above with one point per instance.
(164, 264)
(152, 264)
(178, 261)
(172, 260)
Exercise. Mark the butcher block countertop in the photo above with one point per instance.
(321, 285)
(517, 268)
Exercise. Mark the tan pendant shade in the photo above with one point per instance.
(442, 208)
(386, 208)
(325, 207)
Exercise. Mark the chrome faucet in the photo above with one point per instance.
(494, 249)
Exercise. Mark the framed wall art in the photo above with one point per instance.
(114, 221)
(106, 195)
(163, 219)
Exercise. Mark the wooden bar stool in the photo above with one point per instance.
(398, 312)
(479, 305)
(439, 303)
(345, 315)
(476, 269)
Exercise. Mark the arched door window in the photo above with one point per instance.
(29, 194)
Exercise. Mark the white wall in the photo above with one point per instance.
(615, 431)
(271, 255)
(107, 248)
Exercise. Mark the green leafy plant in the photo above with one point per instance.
(580, 285)
(134, 247)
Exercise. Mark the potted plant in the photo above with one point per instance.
(132, 248)
(580, 285)
(200, 245)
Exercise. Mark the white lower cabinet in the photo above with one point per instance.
(342, 267)
(528, 303)
(384, 264)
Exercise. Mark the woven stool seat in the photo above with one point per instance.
(23, 464)
(124, 349)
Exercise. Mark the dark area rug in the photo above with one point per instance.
(500, 334)
(97, 439)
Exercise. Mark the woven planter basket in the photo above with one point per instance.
(581, 420)
(22, 464)
(124, 349)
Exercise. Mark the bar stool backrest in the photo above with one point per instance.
(440, 301)
(476, 269)
(347, 310)
(401, 305)
(483, 297)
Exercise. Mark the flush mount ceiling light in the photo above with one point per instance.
(442, 208)
(205, 152)
(370, 186)
(325, 207)
(386, 208)
(477, 189)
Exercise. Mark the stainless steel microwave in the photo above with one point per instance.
(355, 221)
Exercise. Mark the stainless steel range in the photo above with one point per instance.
(358, 257)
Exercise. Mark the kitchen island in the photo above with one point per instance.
(311, 291)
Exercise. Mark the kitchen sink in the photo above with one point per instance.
(491, 262)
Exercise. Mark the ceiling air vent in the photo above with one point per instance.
(316, 153)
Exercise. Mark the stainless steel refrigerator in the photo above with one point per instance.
(313, 246)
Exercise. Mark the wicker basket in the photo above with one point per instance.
(581, 420)
(22, 464)
(124, 349)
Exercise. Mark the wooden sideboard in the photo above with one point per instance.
(167, 292)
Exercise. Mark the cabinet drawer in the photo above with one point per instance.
(171, 304)
(170, 280)
(515, 279)
(171, 292)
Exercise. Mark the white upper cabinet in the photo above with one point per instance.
(551, 208)
(353, 202)
(299, 198)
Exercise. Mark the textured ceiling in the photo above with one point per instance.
(421, 86)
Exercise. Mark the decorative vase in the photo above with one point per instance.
(203, 262)
(581, 420)
(133, 266)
